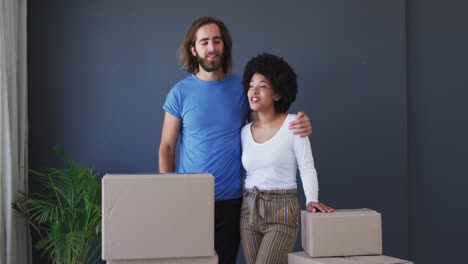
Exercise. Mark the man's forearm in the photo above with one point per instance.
(166, 159)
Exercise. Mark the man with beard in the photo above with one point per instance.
(208, 109)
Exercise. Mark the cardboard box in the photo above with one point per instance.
(157, 216)
(303, 258)
(196, 260)
(379, 260)
(342, 233)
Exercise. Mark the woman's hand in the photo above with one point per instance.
(318, 206)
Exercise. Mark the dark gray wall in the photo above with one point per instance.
(438, 127)
(99, 72)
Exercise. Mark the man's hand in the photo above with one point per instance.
(302, 125)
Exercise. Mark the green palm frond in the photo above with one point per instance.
(67, 216)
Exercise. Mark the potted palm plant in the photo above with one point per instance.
(67, 215)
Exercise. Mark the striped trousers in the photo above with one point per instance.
(269, 225)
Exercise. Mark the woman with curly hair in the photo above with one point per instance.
(270, 214)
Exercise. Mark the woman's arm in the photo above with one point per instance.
(305, 161)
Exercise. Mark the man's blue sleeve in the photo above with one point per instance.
(173, 103)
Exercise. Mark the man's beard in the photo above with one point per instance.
(210, 66)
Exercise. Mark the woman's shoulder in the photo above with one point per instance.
(290, 117)
(246, 127)
(245, 132)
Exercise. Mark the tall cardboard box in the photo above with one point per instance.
(342, 233)
(303, 258)
(157, 216)
(196, 260)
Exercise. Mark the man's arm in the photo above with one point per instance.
(169, 137)
(301, 126)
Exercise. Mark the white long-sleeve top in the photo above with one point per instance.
(272, 165)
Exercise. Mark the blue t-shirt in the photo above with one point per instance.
(212, 114)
